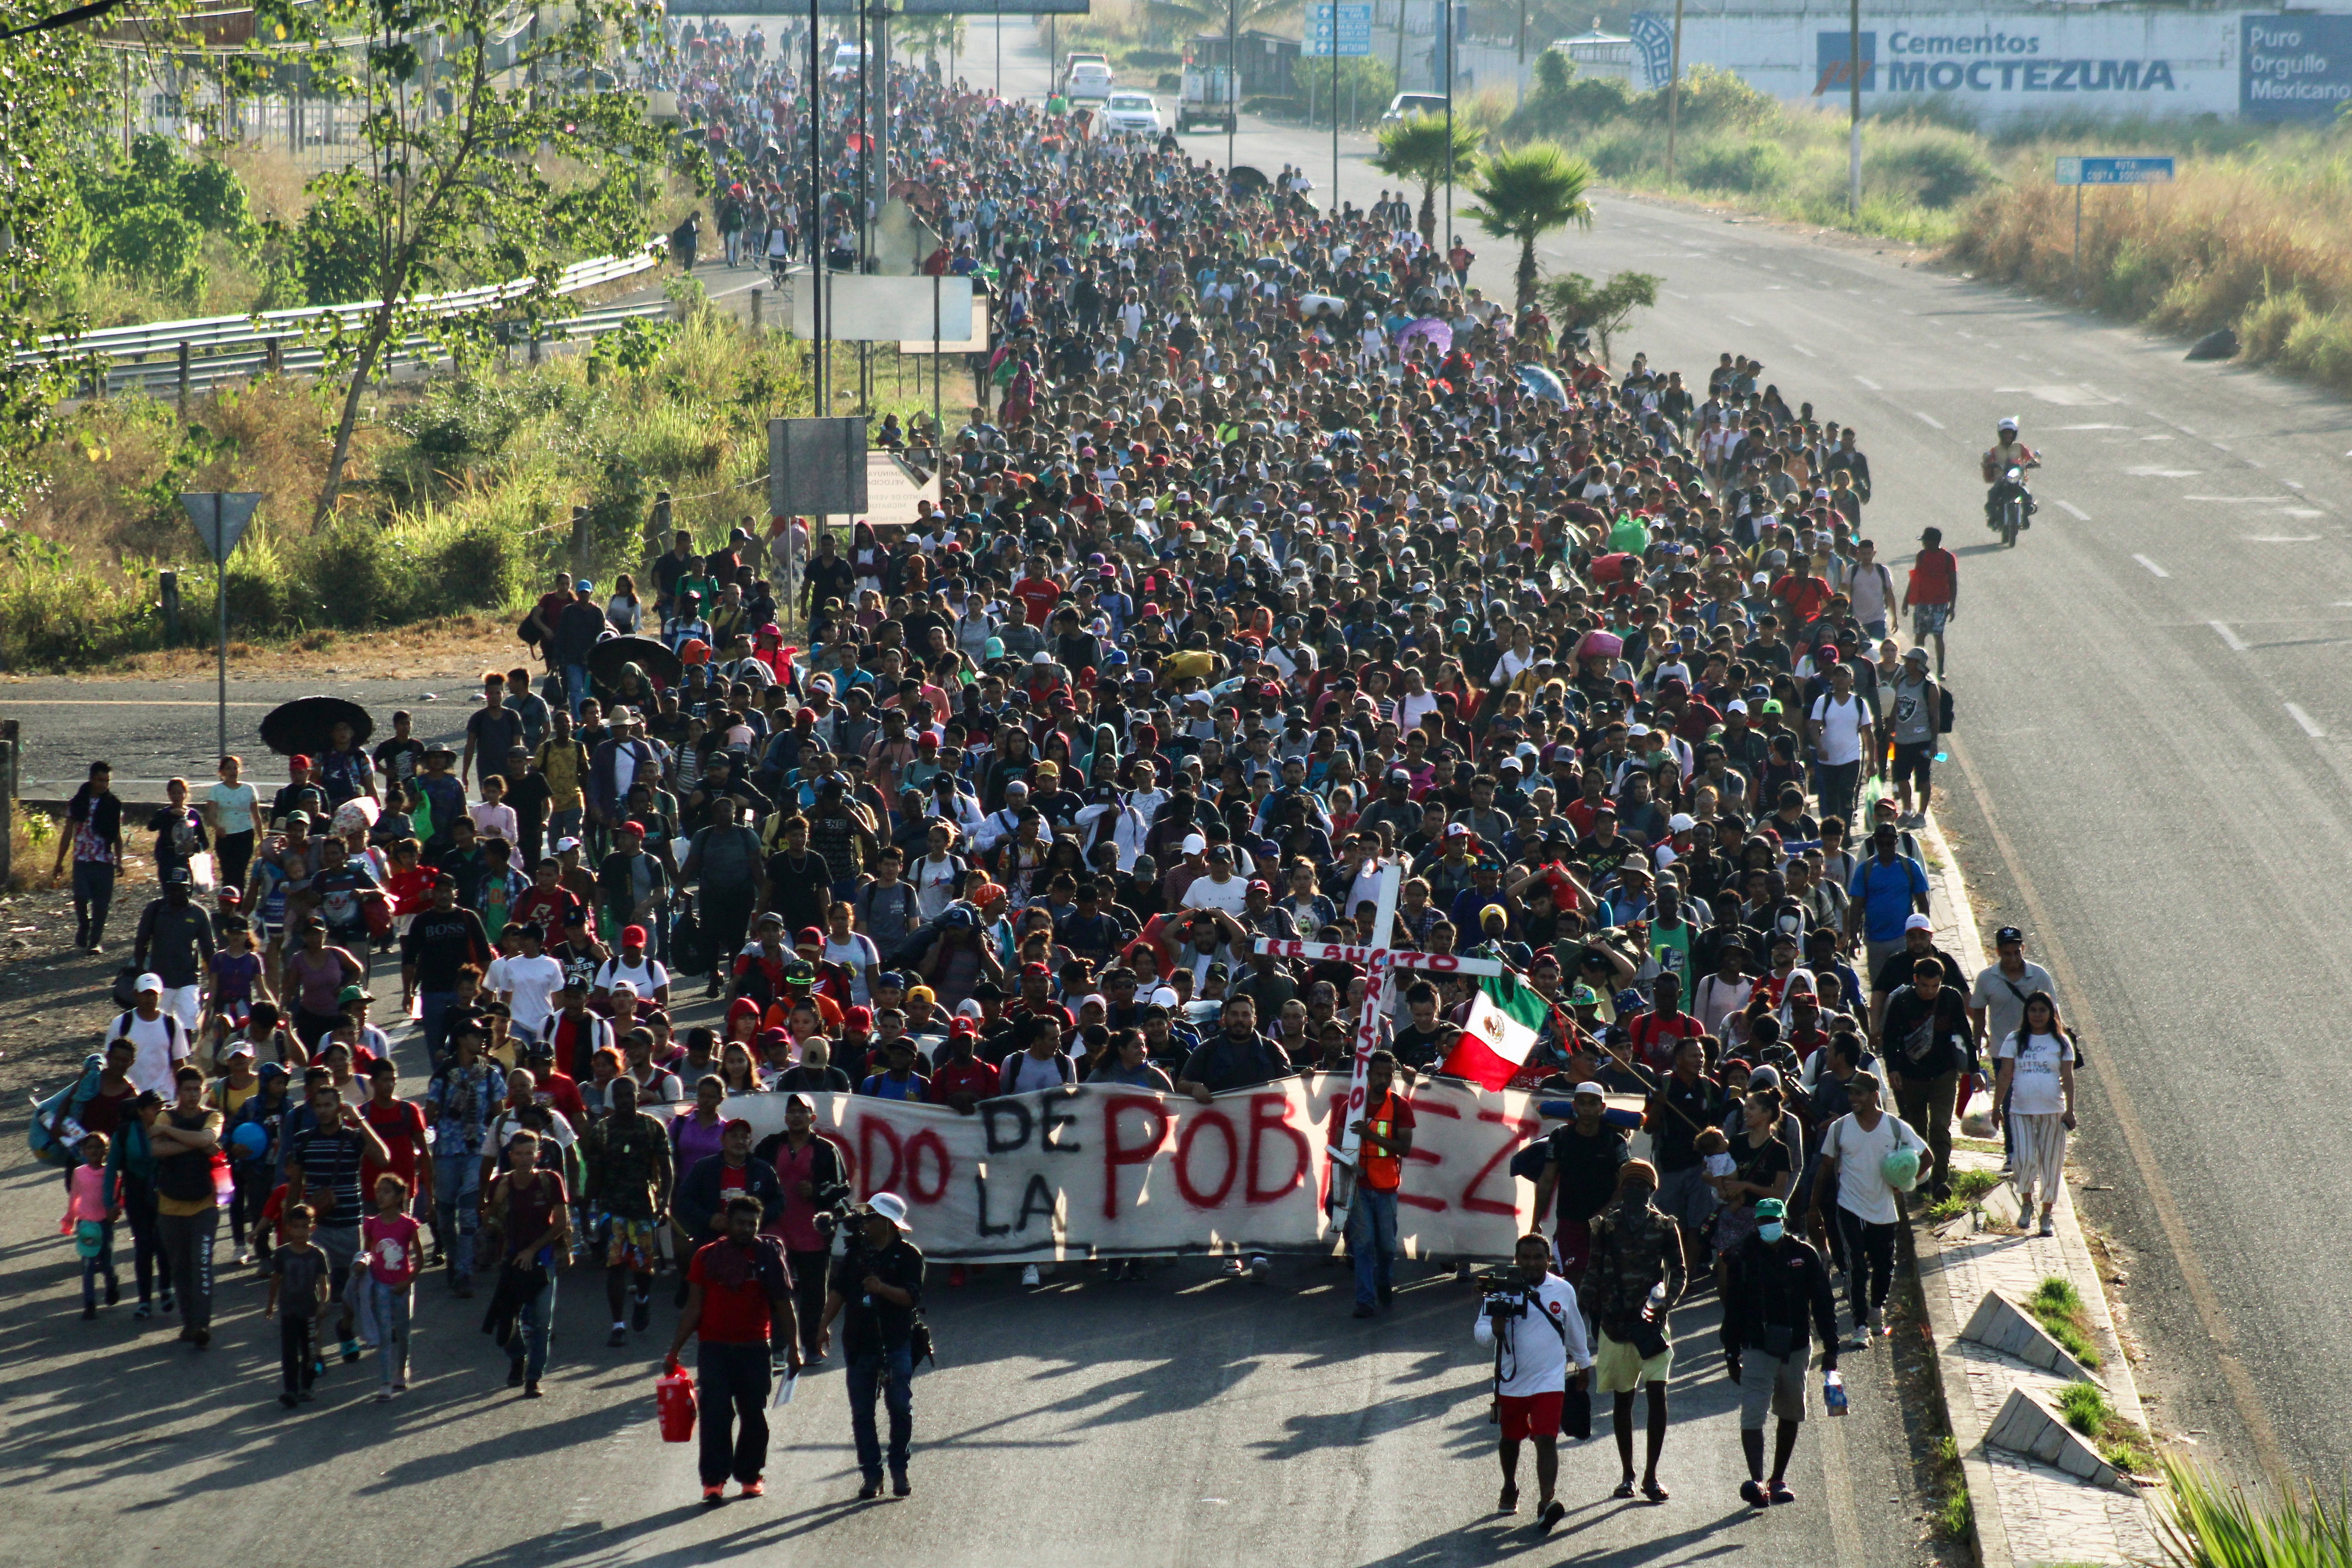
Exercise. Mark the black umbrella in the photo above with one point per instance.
(1246, 181)
(650, 654)
(307, 725)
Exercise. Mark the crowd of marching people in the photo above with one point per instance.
(1274, 558)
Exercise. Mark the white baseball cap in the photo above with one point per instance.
(1919, 923)
(890, 1207)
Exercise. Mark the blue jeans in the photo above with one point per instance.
(529, 1347)
(1371, 1241)
(433, 1017)
(93, 893)
(576, 686)
(388, 1304)
(865, 1380)
(457, 1208)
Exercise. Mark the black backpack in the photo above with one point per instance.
(1943, 708)
(689, 950)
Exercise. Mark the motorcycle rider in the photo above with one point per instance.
(2006, 452)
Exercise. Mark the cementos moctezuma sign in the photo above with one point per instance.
(2011, 64)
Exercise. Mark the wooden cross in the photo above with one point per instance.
(1381, 964)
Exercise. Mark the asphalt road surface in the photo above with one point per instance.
(2168, 627)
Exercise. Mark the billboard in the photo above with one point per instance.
(2294, 67)
(2000, 65)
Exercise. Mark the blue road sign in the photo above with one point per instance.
(2114, 171)
(1355, 30)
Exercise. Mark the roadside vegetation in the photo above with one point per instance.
(463, 489)
(2206, 1522)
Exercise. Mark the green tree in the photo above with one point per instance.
(1177, 20)
(45, 113)
(1525, 192)
(1416, 149)
(156, 245)
(475, 170)
(1366, 85)
(1576, 302)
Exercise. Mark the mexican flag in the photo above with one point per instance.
(1505, 1018)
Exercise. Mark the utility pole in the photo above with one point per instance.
(1523, 67)
(1674, 91)
(817, 355)
(1233, 84)
(1334, 209)
(1445, 25)
(1853, 112)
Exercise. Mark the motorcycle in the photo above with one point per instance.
(2010, 507)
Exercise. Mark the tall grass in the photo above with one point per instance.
(2255, 236)
(2206, 1523)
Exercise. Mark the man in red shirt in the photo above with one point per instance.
(1932, 593)
(1384, 1137)
(1657, 1032)
(400, 1125)
(960, 1079)
(1038, 592)
(739, 1301)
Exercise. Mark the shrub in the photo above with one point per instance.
(335, 249)
(156, 245)
(1931, 165)
(1749, 168)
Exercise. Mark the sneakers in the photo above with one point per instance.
(755, 1488)
(618, 1337)
(382, 1396)
(1261, 1269)
(1509, 1501)
(287, 1400)
(1550, 1515)
(531, 1390)
(241, 1259)
(144, 1313)
(869, 1491)
(1878, 1322)
(88, 1311)
(1029, 1276)
(350, 1349)
(714, 1494)
(2049, 1223)
(1753, 1494)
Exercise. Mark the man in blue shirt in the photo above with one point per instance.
(1886, 889)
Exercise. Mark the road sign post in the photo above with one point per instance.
(221, 518)
(2081, 172)
(1336, 29)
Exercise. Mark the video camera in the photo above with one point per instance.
(1508, 1295)
(833, 1210)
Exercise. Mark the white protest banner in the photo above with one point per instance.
(1101, 1171)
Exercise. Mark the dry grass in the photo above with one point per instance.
(2258, 238)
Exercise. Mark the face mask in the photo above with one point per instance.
(1769, 1231)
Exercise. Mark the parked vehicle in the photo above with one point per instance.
(1206, 98)
(1410, 105)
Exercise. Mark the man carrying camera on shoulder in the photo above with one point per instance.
(1530, 1317)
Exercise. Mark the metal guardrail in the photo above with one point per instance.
(296, 358)
(207, 350)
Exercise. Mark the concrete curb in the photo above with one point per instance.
(1957, 928)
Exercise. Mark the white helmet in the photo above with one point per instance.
(2008, 425)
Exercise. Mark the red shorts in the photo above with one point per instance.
(1530, 1416)
(1572, 1245)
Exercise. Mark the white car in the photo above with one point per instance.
(1410, 105)
(1089, 82)
(846, 64)
(1131, 111)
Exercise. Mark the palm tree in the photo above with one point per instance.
(1525, 194)
(1415, 150)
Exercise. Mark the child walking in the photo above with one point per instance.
(388, 1245)
(91, 1214)
(297, 1295)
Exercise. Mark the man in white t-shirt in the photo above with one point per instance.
(162, 1039)
(1854, 1157)
(1535, 1345)
(1220, 889)
(527, 983)
(1843, 732)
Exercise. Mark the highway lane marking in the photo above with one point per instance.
(1738, 320)
(1931, 421)
(2282, 538)
(1873, 385)
(1804, 350)
(2239, 500)
(2150, 471)
(2237, 644)
(2151, 565)
(2074, 511)
(2153, 1181)
(2310, 725)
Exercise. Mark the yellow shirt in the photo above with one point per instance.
(560, 761)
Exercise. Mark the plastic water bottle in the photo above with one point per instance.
(1657, 1301)
(1833, 1391)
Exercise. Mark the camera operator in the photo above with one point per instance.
(878, 1285)
(1774, 1285)
(809, 1168)
(1530, 1317)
